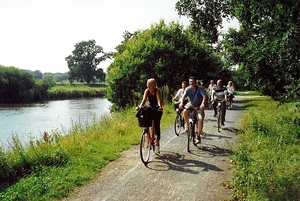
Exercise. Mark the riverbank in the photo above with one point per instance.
(75, 90)
(55, 166)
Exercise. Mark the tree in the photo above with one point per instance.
(206, 16)
(84, 61)
(16, 86)
(267, 46)
(168, 53)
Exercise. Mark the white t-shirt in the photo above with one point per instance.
(230, 90)
(211, 88)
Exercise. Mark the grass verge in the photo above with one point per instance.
(267, 159)
(55, 165)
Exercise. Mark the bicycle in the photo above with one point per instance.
(179, 121)
(229, 102)
(147, 142)
(192, 125)
(209, 103)
(219, 114)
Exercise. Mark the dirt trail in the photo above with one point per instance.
(176, 174)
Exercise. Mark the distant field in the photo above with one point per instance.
(77, 90)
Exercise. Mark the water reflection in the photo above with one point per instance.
(34, 119)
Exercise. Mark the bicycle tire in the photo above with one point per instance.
(145, 146)
(191, 136)
(219, 119)
(177, 124)
(209, 105)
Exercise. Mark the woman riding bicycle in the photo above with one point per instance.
(153, 94)
(230, 89)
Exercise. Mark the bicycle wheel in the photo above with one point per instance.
(145, 147)
(219, 119)
(190, 136)
(177, 124)
(209, 105)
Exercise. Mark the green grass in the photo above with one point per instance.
(267, 159)
(55, 165)
(67, 90)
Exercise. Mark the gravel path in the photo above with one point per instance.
(202, 174)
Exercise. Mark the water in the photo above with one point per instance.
(32, 120)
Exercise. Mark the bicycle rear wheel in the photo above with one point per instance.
(177, 124)
(145, 146)
(219, 119)
(190, 136)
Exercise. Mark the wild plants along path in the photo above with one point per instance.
(202, 174)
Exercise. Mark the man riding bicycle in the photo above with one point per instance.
(219, 94)
(197, 98)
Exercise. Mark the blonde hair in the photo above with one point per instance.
(152, 81)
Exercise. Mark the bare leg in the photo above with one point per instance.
(200, 126)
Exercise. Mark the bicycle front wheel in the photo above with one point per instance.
(145, 147)
(209, 105)
(190, 136)
(177, 124)
(219, 119)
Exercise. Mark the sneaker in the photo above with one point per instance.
(198, 140)
(157, 150)
(186, 129)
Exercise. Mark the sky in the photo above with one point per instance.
(39, 34)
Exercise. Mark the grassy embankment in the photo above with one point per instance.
(266, 162)
(76, 90)
(268, 157)
(52, 167)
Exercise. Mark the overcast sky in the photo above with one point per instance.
(39, 34)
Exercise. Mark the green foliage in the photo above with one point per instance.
(267, 46)
(206, 16)
(168, 53)
(58, 164)
(84, 61)
(267, 160)
(16, 86)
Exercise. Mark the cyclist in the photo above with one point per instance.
(230, 89)
(197, 98)
(211, 87)
(180, 92)
(153, 94)
(219, 94)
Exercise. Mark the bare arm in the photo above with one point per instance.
(182, 101)
(144, 98)
(159, 99)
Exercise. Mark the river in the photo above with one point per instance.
(32, 120)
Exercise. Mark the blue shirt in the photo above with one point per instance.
(195, 97)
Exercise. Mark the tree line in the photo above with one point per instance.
(19, 86)
(265, 48)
